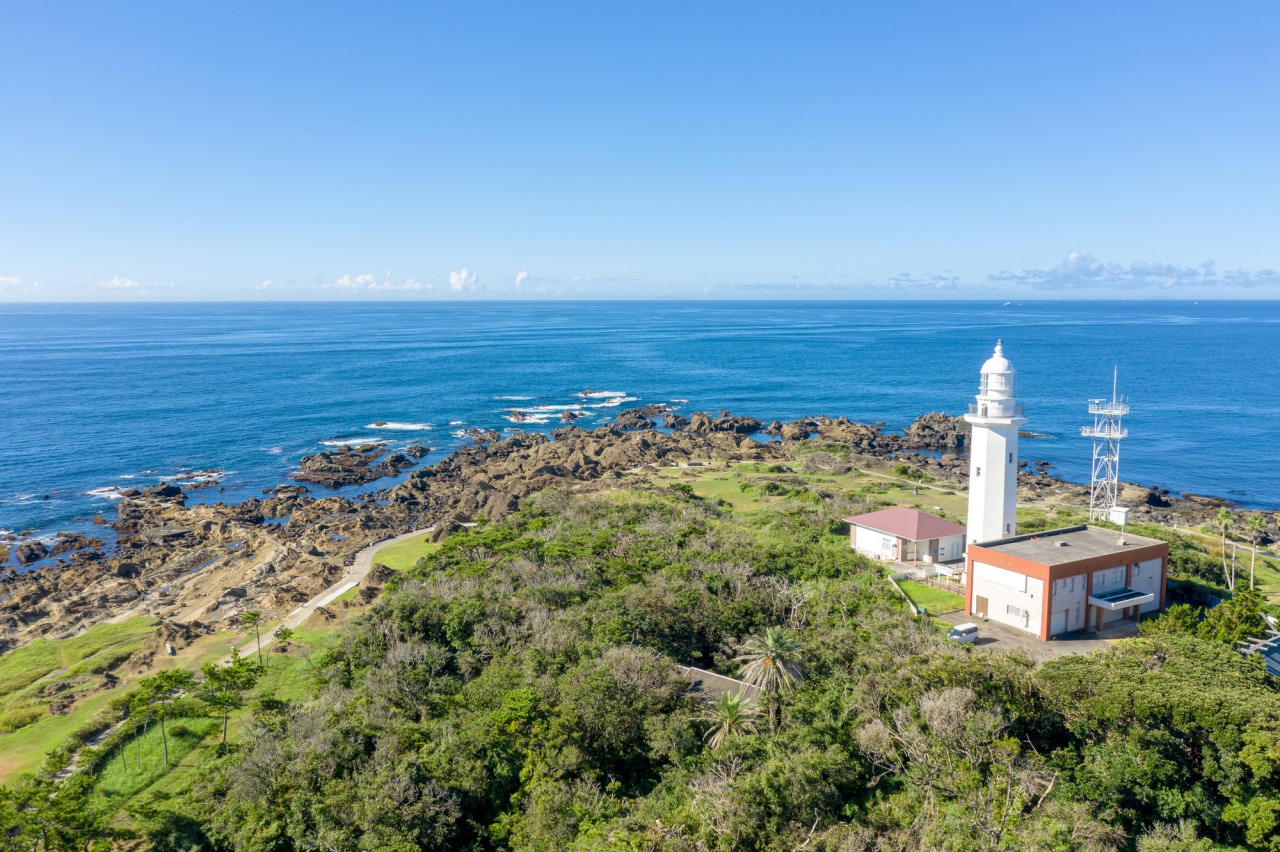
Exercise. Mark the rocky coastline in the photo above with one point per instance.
(205, 564)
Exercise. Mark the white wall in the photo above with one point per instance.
(1004, 589)
(993, 482)
(1069, 594)
(873, 543)
(1146, 578)
(950, 547)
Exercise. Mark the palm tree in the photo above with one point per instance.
(1223, 521)
(772, 665)
(731, 716)
(1256, 528)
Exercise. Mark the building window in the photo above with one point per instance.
(1008, 528)
(979, 472)
(1012, 610)
(1010, 458)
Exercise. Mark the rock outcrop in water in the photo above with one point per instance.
(355, 465)
(938, 431)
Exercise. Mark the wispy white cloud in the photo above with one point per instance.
(1080, 271)
(12, 284)
(132, 287)
(462, 279)
(521, 278)
(369, 283)
(119, 283)
(265, 285)
(903, 282)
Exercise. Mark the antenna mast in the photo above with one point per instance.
(1107, 432)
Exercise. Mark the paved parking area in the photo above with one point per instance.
(999, 638)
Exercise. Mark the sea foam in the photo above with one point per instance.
(109, 492)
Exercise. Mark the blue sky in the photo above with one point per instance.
(607, 150)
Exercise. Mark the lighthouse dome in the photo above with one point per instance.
(997, 363)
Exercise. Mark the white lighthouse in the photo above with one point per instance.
(993, 452)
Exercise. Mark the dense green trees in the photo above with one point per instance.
(519, 690)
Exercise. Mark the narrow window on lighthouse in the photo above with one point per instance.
(979, 473)
(1010, 458)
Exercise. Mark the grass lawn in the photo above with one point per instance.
(935, 600)
(99, 644)
(403, 555)
(24, 750)
(876, 491)
(1266, 577)
(121, 776)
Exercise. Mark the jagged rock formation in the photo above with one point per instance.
(355, 465)
(211, 562)
(208, 563)
(938, 431)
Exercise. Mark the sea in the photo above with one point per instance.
(228, 396)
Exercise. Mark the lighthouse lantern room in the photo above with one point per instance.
(993, 452)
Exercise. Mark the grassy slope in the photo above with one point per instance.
(25, 749)
(873, 489)
(121, 777)
(24, 666)
(402, 555)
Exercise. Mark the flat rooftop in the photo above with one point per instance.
(1069, 544)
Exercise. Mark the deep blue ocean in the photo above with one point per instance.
(102, 397)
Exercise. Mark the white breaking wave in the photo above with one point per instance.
(545, 409)
(108, 493)
(199, 476)
(615, 401)
(355, 442)
(457, 423)
(275, 451)
(400, 427)
(594, 394)
(517, 398)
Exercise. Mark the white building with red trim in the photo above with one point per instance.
(1059, 581)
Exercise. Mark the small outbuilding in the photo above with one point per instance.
(906, 535)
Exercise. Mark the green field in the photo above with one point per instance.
(936, 601)
(872, 489)
(403, 555)
(139, 761)
(84, 654)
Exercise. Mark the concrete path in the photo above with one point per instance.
(350, 579)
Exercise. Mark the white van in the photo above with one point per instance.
(964, 633)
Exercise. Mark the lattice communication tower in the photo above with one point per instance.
(1107, 432)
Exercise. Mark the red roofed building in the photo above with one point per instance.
(906, 535)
